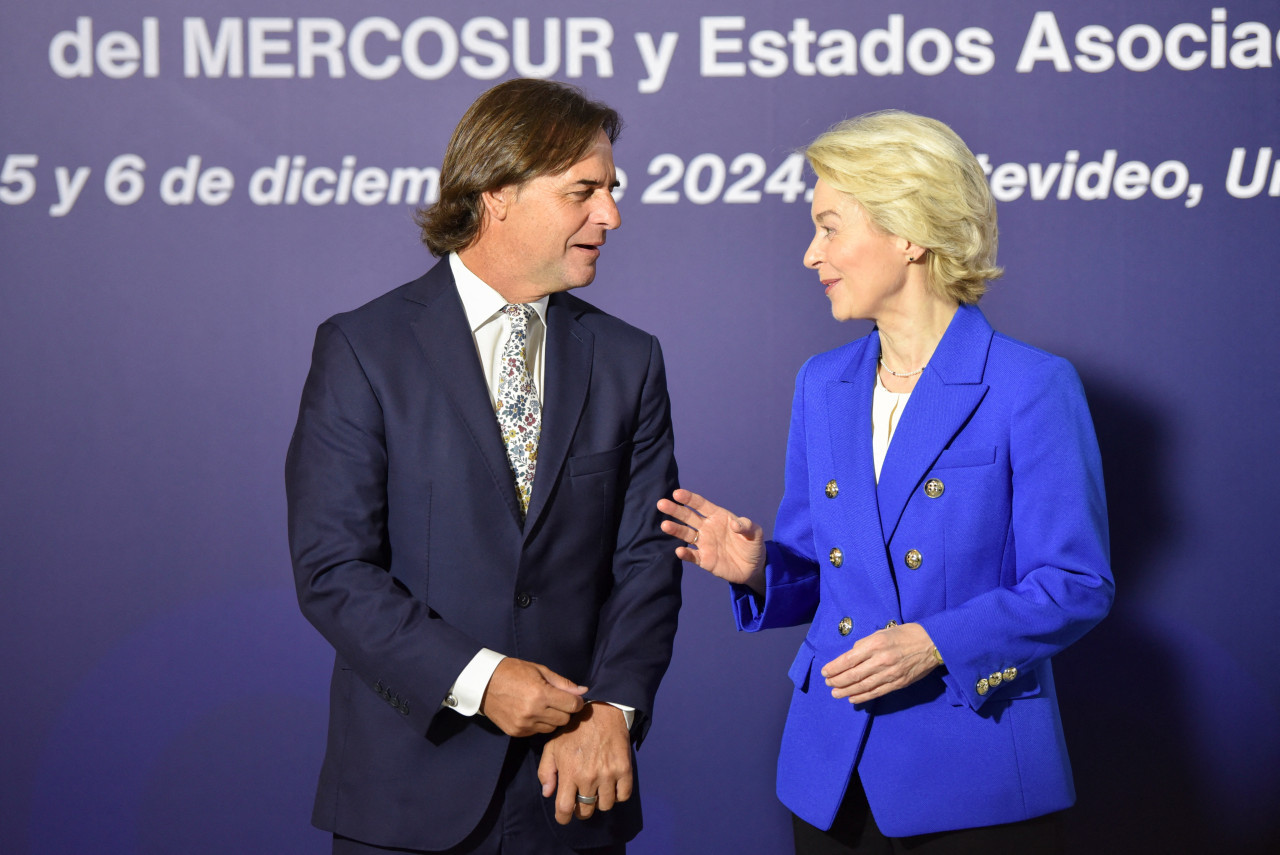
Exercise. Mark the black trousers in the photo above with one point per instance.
(855, 832)
(514, 824)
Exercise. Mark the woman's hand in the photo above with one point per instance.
(719, 541)
(882, 662)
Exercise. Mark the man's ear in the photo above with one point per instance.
(496, 202)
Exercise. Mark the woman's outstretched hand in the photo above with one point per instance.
(717, 540)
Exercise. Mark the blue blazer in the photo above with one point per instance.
(989, 528)
(410, 553)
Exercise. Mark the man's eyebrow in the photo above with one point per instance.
(593, 183)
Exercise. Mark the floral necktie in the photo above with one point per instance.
(519, 411)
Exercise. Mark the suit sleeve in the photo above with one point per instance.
(637, 621)
(791, 566)
(336, 484)
(1061, 583)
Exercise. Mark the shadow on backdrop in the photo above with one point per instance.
(1149, 774)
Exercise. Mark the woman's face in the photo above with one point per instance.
(861, 268)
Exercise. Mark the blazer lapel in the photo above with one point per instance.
(944, 397)
(569, 349)
(849, 428)
(445, 338)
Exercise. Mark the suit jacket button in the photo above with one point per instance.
(914, 559)
(836, 556)
(995, 679)
(845, 626)
(933, 488)
(1010, 674)
(833, 489)
(524, 601)
(983, 686)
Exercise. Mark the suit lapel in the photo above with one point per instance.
(446, 341)
(944, 398)
(849, 427)
(569, 350)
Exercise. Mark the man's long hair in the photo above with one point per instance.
(518, 130)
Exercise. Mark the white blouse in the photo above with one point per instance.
(886, 412)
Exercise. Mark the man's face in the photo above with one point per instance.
(555, 225)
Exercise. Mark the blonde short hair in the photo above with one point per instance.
(916, 179)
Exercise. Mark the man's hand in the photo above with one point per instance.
(882, 662)
(591, 756)
(524, 698)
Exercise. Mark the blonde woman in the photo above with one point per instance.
(943, 528)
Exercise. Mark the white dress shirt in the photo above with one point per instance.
(490, 328)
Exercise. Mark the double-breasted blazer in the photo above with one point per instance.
(988, 527)
(410, 552)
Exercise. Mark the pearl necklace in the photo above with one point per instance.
(904, 374)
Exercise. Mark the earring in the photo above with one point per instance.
(910, 259)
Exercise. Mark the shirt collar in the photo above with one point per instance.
(481, 302)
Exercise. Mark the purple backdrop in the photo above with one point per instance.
(185, 195)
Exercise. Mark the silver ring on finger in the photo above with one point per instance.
(696, 535)
(587, 800)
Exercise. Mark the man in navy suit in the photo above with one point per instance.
(472, 485)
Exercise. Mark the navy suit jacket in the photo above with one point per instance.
(989, 528)
(410, 553)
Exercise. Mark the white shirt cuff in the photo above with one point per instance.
(468, 690)
(628, 713)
